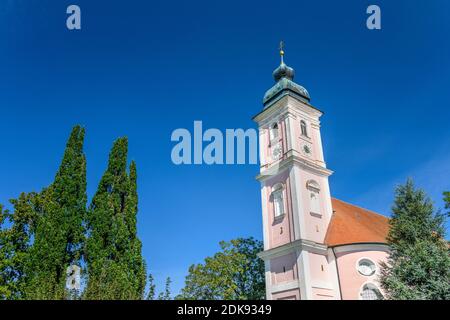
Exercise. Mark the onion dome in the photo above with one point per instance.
(284, 76)
(283, 71)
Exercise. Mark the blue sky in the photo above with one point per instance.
(142, 69)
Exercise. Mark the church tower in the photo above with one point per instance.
(295, 194)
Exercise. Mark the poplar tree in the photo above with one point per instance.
(59, 237)
(134, 253)
(418, 266)
(115, 266)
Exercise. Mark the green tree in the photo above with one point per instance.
(418, 265)
(151, 288)
(165, 295)
(15, 244)
(234, 273)
(5, 290)
(116, 269)
(134, 257)
(447, 200)
(59, 236)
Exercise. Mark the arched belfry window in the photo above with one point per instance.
(314, 201)
(303, 128)
(278, 200)
(370, 291)
(315, 205)
(273, 132)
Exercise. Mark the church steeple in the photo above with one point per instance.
(295, 195)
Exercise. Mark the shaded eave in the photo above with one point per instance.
(283, 93)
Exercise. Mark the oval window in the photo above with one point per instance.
(366, 267)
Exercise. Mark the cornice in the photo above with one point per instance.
(300, 244)
(368, 246)
(293, 159)
(288, 104)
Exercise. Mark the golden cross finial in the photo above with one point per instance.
(282, 50)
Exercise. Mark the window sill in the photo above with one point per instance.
(280, 217)
(317, 215)
(274, 142)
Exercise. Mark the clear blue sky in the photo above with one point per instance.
(143, 68)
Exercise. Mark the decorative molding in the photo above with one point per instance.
(288, 105)
(370, 260)
(312, 185)
(300, 244)
(374, 246)
(373, 284)
(317, 215)
(291, 285)
(279, 217)
(292, 159)
(318, 284)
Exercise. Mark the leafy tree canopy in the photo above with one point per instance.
(418, 266)
(234, 273)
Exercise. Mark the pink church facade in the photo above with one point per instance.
(315, 247)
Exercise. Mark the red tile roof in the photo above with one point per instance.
(352, 224)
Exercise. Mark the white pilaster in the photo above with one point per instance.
(304, 275)
(268, 275)
(262, 147)
(334, 274)
(299, 210)
(265, 215)
(290, 132)
(295, 205)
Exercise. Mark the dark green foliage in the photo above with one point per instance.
(136, 262)
(15, 243)
(419, 264)
(59, 235)
(235, 273)
(115, 266)
(447, 200)
(5, 283)
(45, 233)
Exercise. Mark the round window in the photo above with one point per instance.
(366, 267)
